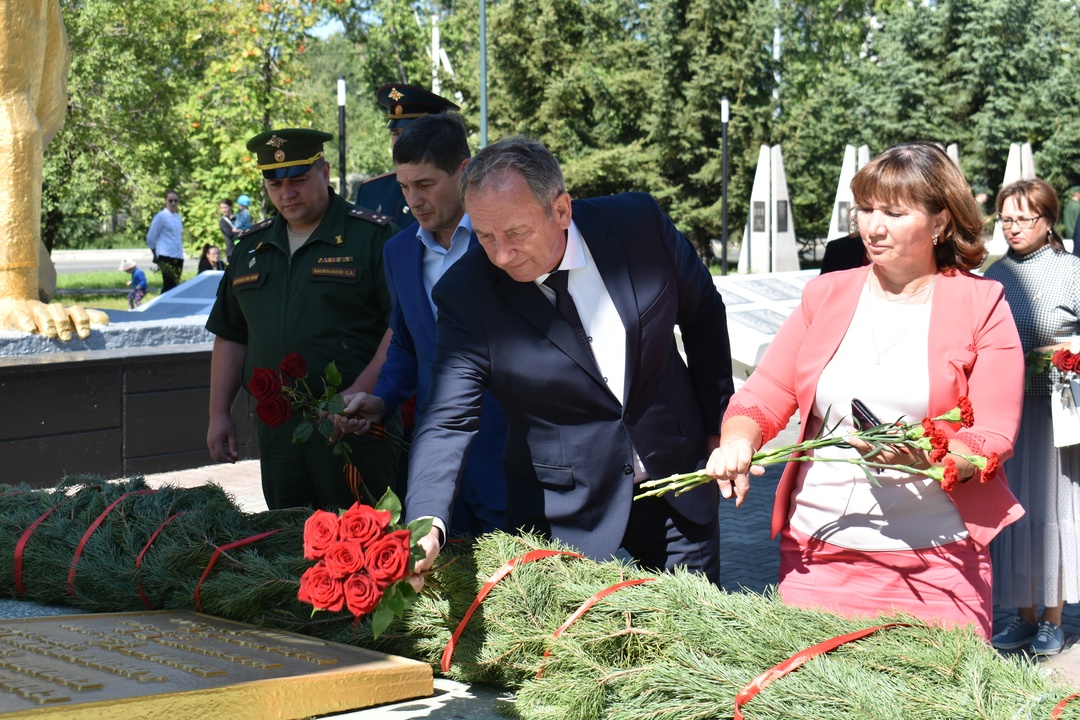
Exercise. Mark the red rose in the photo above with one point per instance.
(967, 414)
(265, 384)
(363, 523)
(952, 475)
(1071, 361)
(362, 594)
(344, 558)
(320, 532)
(388, 558)
(993, 464)
(293, 366)
(274, 411)
(1063, 360)
(320, 589)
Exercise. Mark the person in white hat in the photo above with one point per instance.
(137, 283)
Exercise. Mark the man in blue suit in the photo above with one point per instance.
(566, 312)
(430, 155)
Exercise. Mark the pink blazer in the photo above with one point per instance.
(974, 351)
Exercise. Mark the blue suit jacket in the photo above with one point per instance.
(407, 371)
(570, 449)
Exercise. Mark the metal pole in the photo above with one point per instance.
(483, 75)
(724, 117)
(343, 190)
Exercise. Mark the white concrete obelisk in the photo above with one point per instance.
(769, 236)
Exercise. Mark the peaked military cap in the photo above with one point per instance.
(287, 153)
(408, 102)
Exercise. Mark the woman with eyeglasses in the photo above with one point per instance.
(1037, 559)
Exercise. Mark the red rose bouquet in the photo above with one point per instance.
(924, 435)
(282, 391)
(364, 559)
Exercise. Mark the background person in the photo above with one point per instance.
(1037, 559)
(403, 103)
(595, 392)
(165, 238)
(1072, 210)
(227, 225)
(243, 216)
(430, 156)
(310, 282)
(907, 335)
(210, 259)
(137, 283)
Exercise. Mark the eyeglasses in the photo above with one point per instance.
(172, 200)
(1024, 223)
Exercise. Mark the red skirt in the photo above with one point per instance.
(948, 585)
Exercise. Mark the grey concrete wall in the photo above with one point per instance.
(113, 412)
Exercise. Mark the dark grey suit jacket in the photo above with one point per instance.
(569, 454)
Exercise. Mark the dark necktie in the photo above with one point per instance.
(558, 281)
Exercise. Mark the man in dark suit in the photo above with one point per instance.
(595, 392)
(843, 253)
(430, 156)
(403, 104)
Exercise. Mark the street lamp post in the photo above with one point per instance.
(724, 117)
(483, 75)
(341, 135)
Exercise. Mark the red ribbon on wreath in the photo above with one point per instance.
(585, 607)
(448, 651)
(138, 560)
(90, 531)
(217, 553)
(1061, 706)
(751, 689)
(20, 547)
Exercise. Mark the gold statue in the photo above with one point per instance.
(34, 61)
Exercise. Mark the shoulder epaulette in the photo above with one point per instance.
(369, 216)
(379, 177)
(255, 228)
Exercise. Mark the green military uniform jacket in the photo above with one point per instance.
(329, 301)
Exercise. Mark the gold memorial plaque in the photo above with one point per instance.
(183, 665)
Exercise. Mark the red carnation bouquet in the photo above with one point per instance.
(364, 559)
(286, 390)
(924, 435)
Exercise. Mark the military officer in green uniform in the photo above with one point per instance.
(403, 104)
(309, 281)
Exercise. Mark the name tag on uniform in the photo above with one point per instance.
(245, 279)
(333, 272)
(343, 259)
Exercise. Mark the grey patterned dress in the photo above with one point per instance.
(1037, 559)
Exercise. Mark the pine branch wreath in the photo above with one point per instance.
(674, 648)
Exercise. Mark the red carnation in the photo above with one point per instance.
(265, 384)
(320, 532)
(344, 558)
(928, 428)
(993, 464)
(363, 523)
(967, 414)
(939, 441)
(362, 594)
(320, 589)
(293, 366)
(952, 475)
(388, 559)
(275, 411)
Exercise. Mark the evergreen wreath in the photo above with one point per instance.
(675, 647)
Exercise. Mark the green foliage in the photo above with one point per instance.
(627, 94)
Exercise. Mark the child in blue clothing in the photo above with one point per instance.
(243, 219)
(137, 283)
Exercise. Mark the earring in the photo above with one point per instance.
(937, 238)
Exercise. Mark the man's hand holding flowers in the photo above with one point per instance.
(362, 411)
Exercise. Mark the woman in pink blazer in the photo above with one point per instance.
(907, 335)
